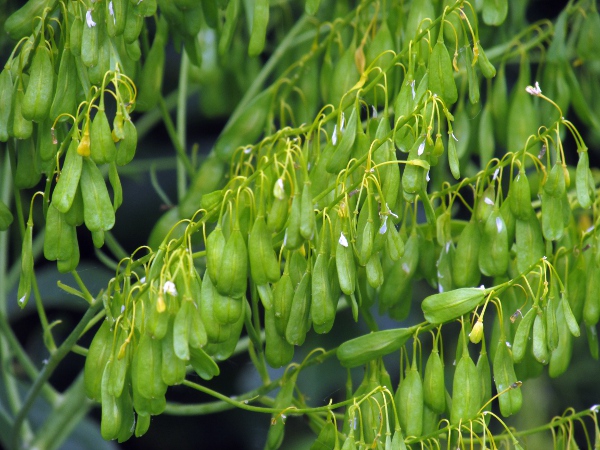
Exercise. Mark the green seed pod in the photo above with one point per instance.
(125, 151)
(560, 357)
(46, 147)
(26, 277)
(327, 437)
(444, 267)
(409, 402)
(97, 209)
(466, 390)
(553, 226)
(374, 271)
(157, 316)
(283, 295)
(494, 11)
(278, 213)
(260, 20)
(487, 68)
(98, 354)
(485, 376)
(147, 8)
(465, 265)
(434, 389)
(540, 346)
(38, 96)
(582, 175)
(404, 103)
(233, 270)
(591, 306)
(116, 17)
(127, 417)
(569, 316)
(493, 256)
(278, 351)
(521, 339)
(307, 215)
(146, 373)
(119, 366)
(486, 141)
(61, 238)
(344, 76)
(70, 264)
(215, 330)
(98, 238)
(21, 127)
(323, 305)
(68, 182)
(215, 246)
(394, 244)
(90, 39)
(18, 24)
(102, 146)
(529, 242)
(473, 80)
(203, 365)
(298, 323)
(556, 184)
(227, 310)
(577, 287)
(264, 266)
(414, 174)
(172, 367)
(462, 140)
(64, 101)
(142, 424)
(441, 77)
(223, 350)
(6, 216)
(28, 173)
(520, 196)
(360, 350)
(505, 378)
(74, 216)
(151, 77)
(76, 35)
(133, 25)
(550, 318)
(6, 94)
(365, 242)
(293, 238)
(188, 329)
(346, 267)
(446, 306)
(110, 423)
(341, 156)
(398, 278)
(427, 259)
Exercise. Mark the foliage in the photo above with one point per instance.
(379, 147)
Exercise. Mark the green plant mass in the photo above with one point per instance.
(378, 223)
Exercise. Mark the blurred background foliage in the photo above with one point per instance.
(215, 89)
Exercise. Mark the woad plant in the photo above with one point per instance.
(402, 195)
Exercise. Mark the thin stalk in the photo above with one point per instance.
(172, 132)
(182, 96)
(63, 350)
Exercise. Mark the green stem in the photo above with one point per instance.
(179, 149)
(181, 124)
(63, 350)
(48, 392)
(59, 425)
(82, 287)
(178, 409)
